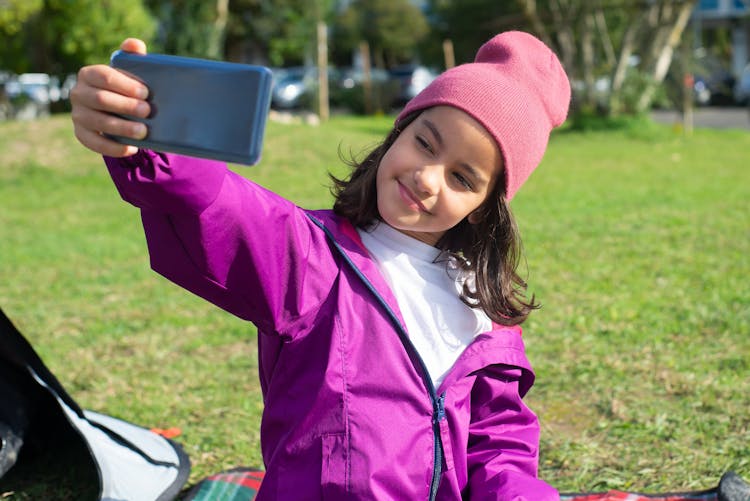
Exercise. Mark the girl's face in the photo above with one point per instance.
(439, 170)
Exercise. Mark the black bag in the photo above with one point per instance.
(43, 431)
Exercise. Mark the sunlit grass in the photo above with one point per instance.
(637, 245)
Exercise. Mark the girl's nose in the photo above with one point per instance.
(427, 179)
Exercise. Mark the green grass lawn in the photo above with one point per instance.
(637, 245)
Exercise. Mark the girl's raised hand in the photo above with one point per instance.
(101, 91)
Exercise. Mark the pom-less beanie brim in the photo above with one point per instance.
(517, 89)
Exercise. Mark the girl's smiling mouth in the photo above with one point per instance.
(410, 199)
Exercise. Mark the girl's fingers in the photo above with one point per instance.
(91, 125)
(107, 123)
(100, 94)
(91, 98)
(103, 77)
(101, 144)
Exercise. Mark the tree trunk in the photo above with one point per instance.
(216, 44)
(322, 56)
(653, 28)
(565, 35)
(448, 55)
(627, 48)
(587, 58)
(364, 51)
(601, 25)
(680, 18)
(650, 33)
(532, 14)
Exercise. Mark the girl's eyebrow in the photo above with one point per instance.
(434, 130)
(473, 172)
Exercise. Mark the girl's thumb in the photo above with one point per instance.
(133, 45)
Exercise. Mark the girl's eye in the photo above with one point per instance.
(463, 181)
(423, 143)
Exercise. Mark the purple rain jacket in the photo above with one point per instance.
(350, 411)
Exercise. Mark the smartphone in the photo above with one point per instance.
(199, 107)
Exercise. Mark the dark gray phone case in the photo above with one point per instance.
(201, 108)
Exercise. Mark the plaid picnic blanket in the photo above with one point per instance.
(242, 484)
(239, 484)
(709, 495)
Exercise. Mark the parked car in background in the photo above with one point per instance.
(714, 81)
(68, 84)
(31, 94)
(6, 109)
(296, 87)
(411, 80)
(353, 77)
(701, 92)
(742, 89)
(291, 86)
(34, 95)
(349, 90)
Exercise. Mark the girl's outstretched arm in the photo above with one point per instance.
(503, 451)
(227, 239)
(208, 229)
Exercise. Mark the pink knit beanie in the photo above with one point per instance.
(517, 88)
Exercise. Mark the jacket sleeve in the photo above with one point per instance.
(503, 448)
(226, 239)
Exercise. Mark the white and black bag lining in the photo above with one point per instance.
(103, 458)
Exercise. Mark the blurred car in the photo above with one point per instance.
(60, 95)
(6, 109)
(701, 92)
(290, 85)
(349, 90)
(711, 79)
(30, 95)
(354, 77)
(742, 89)
(296, 87)
(411, 80)
(714, 81)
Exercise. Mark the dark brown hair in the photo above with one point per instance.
(491, 248)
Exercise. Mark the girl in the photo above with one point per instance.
(390, 356)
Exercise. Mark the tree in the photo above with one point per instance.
(275, 32)
(60, 36)
(194, 28)
(628, 42)
(468, 24)
(15, 15)
(392, 28)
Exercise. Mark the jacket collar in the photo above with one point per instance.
(502, 345)
(348, 240)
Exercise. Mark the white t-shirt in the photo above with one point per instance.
(439, 324)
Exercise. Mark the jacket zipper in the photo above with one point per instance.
(438, 415)
(438, 402)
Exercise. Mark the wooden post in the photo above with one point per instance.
(688, 83)
(364, 50)
(450, 58)
(216, 41)
(323, 109)
(687, 104)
